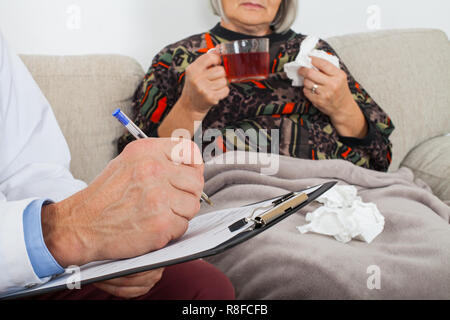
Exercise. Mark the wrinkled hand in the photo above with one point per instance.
(132, 286)
(140, 202)
(333, 97)
(206, 83)
(332, 94)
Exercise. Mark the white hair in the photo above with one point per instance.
(286, 15)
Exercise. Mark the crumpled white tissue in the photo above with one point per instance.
(307, 50)
(345, 216)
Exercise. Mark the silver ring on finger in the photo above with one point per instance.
(314, 88)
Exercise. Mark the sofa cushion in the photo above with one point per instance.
(84, 91)
(430, 162)
(407, 73)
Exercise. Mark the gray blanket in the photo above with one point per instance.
(410, 259)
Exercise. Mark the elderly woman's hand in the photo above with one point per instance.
(205, 85)
(327, 89)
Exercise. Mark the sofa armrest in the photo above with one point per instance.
(430, 161)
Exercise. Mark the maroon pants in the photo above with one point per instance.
(196, 279)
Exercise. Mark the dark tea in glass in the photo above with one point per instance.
(246, 66)
(245, 59)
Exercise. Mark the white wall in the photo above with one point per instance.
(140, 28)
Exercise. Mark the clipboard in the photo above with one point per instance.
(281, 208)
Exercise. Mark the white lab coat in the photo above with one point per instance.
(34, 163)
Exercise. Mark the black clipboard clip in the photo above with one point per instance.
(277, 208)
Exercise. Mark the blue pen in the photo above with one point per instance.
(132, 128)
(138, 134)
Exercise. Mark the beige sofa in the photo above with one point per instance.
(406, 71)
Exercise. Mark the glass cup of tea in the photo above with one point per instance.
(245, 59)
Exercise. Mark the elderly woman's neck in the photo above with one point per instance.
(257, 30)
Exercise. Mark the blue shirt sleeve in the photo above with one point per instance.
(43, 263)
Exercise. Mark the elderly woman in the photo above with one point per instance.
(331, 117)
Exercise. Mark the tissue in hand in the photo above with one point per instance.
(307, 50)
(344, 216)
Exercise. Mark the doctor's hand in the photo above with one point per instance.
(141, 201)
(131, 286)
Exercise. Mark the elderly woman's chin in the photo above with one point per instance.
(251, 11)
(252, 21)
